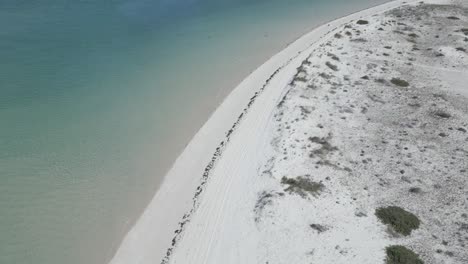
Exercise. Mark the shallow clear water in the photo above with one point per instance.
(97, 98)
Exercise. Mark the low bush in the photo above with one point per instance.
(442, 114)
(302, 186)
(402, 255)
(331, 66)
(399, 219)
(399, 82)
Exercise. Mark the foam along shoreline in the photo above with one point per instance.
(249, 107)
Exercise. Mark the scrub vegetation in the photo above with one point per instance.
(399, 219)
(402, 255)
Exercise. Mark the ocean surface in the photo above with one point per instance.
(97, 99)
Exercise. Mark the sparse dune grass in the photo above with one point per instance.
(399, 219)
(402, 255)
(299, 79)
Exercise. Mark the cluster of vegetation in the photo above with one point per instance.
(319, 228)
(331, 66)
(415, 190)
(399, 82)
(299, 79)
(359, 40)
(399, 219)
(302, 186)
(301, 73)
(333, 56)
(362, 22)
(325, 147)
(442, 114)
(402, 255)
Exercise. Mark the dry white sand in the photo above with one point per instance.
(224, 201)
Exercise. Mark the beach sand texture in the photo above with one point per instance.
(365, 112)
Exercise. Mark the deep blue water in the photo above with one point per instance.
(97, 98)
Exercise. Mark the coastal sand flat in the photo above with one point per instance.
(369, 114)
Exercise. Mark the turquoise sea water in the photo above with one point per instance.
(97, 98)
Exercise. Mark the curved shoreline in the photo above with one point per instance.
(144, 243)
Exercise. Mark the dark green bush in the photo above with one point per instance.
(402, 255)
(400, 220)
(399, 82)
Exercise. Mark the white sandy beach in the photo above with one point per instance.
(207, 209)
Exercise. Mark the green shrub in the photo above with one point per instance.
(399, 82)
(400, 220)
(402, 255)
